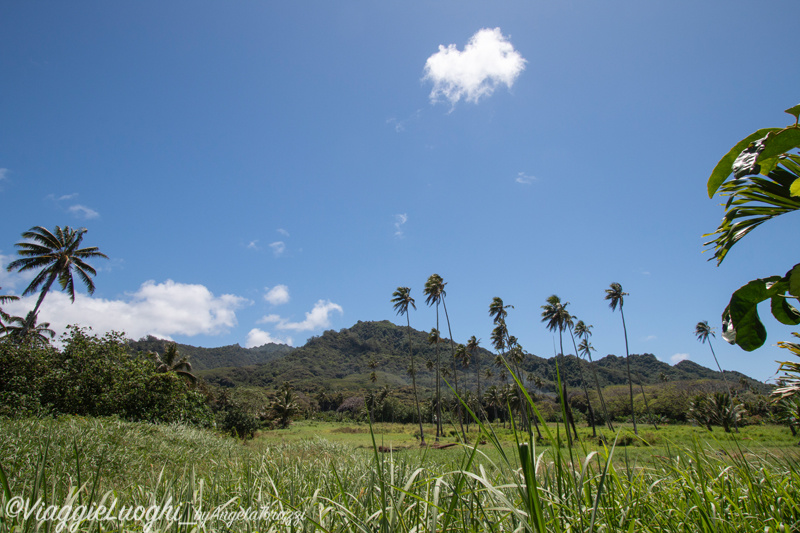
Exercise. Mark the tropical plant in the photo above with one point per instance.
(704, 333)
(589, 409)
(718, 408)
(791, 378)
(57, 256)
(472, 348)
(284, 406)
(556, 317)
(766, 184)
(616, 297)
(28, 329)
(172, 361)
(434, 287)
(402, 300)
(5, 317)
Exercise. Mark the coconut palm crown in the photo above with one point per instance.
(57, 256)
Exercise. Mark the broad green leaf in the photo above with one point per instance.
(794, 111)
(723, 168)
(794, 281)
(794, 188)
(784, 312)
(743, 309)
(780, 143)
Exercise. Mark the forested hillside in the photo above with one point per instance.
(223, 356)
(340, 360)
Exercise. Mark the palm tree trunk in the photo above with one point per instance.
(438, 383)
(570, 421)
(455, 370)
(414, 382)
(628, 365)
(583, 384)
(730, 392)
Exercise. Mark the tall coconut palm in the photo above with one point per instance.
(570, 326)
(402, 300)
(585, 349)
(472, 347)
(27, 329)
(556, 317)
(616, 298)
(443, 294)
(57, 256)
(704, 332)
(434, 287)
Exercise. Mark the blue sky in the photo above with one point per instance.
(263, 171)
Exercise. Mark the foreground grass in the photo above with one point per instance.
(313, 484)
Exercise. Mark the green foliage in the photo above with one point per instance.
(94, 376)
(766, 184)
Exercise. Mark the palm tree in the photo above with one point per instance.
(570, 326)
(171, 361)
(704, 332)
(284, 405)
(443, 294)
(555, 314)
(5, 317)
(401, 298)
(615, 298)
(472, 347)
(434, 287)
(57, 257)
(27, 329)
(585, 348)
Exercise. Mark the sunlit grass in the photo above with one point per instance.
(696, 484)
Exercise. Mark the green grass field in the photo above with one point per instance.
(319, 476)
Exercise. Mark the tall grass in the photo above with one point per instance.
(317, 485)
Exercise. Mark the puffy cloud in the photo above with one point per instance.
(83, 212)
(277, 295)
(159, 309)
(257, 337)
(678, 357)
(278, 248)
(317, 318)
(488, 60)
(399, 220)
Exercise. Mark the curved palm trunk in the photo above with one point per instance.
(583, 384)
(628, 365)
(455, 370)
(438, 383)
(564, 399)
(600, 393)
(414, 382)
(42, 294)
(730, 392)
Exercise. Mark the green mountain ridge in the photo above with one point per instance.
(340, 360)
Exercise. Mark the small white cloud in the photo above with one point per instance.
(399, 221)
(277, 295)
(282, 232)
(650, 338)
(278, 248)
(253, 245)
(258, 337)
(83, 212)
(678, 357)
(317, 318)
(3, 174)
(66, 197)
(524, 178)
(488, 60)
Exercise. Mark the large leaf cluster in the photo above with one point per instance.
(760, 176)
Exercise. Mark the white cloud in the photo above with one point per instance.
(277, 295)
(159, 309)
(524, 178)
(399, 220)
(257, 337)
(278, 248)
(282, 232)
(317, 318)
(650, 338)
(488, 60)
(253, 245)
(678, 357)
(83, 212)
(3, 174)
